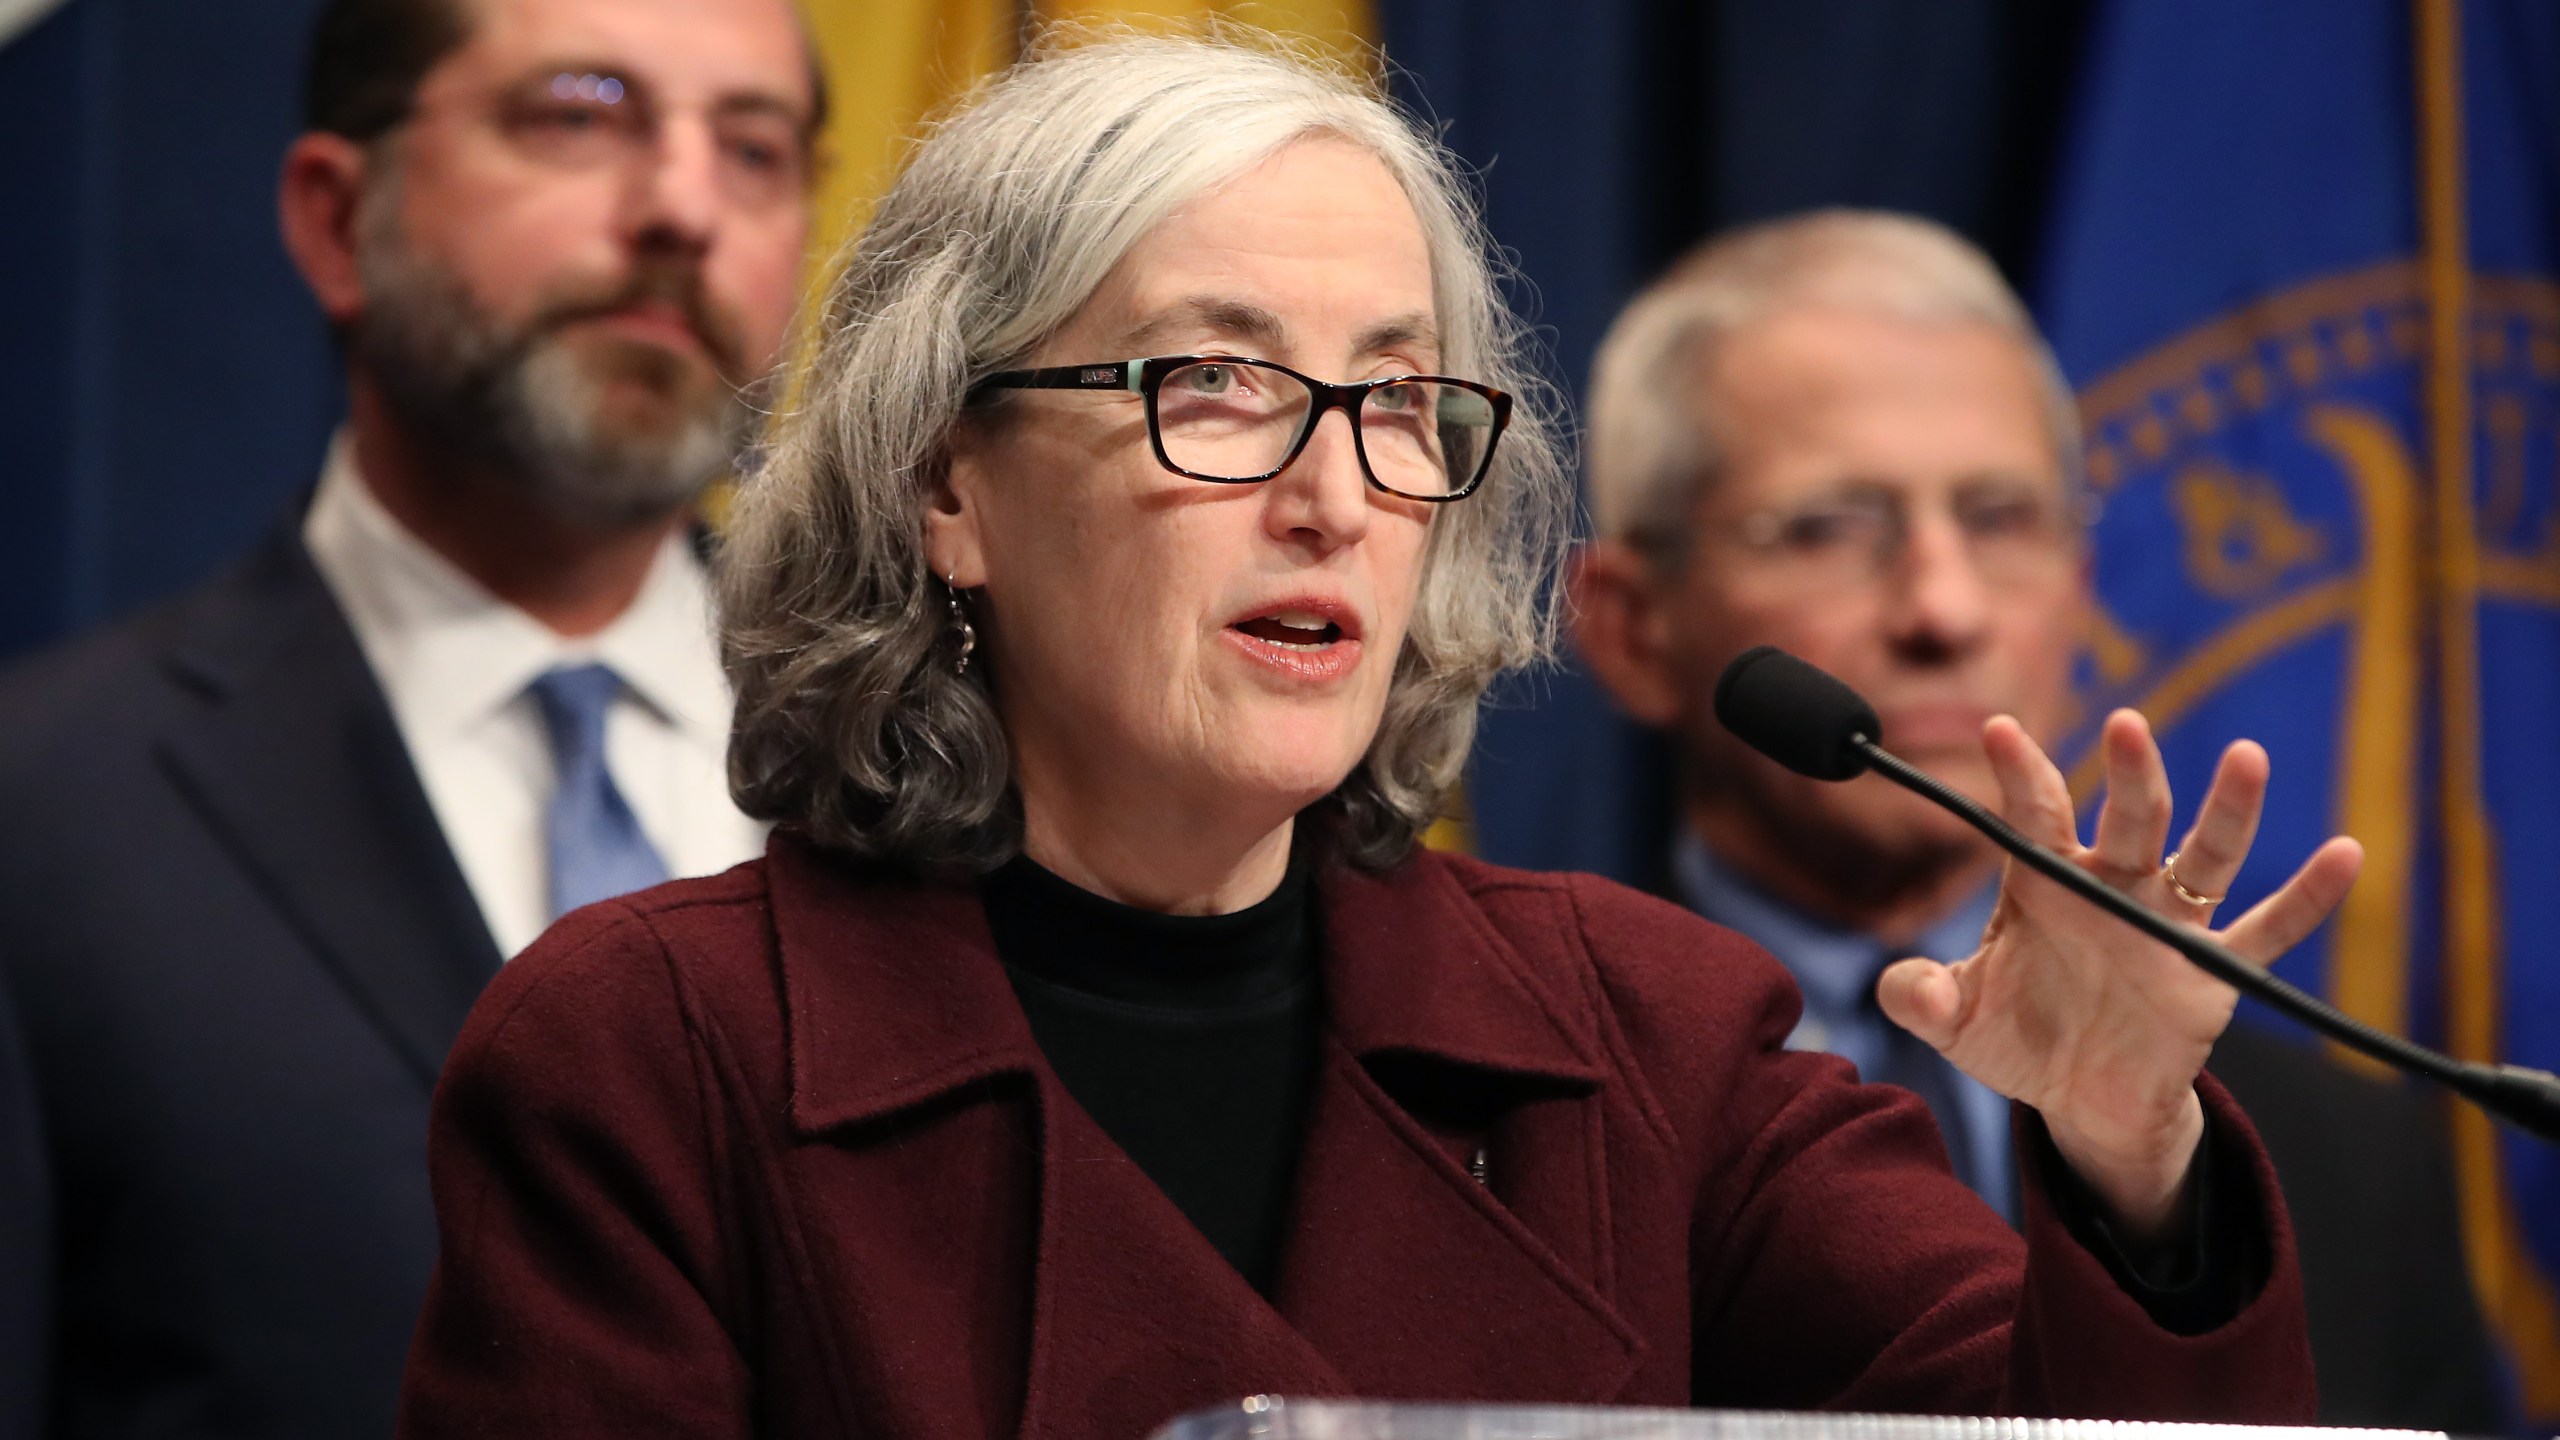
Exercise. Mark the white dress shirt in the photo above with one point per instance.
(454, 661)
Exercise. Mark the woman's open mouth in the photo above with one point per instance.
(1301, 628)
(1306, 641)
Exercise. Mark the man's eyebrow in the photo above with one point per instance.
(1240, 319)
(2053, 482)
(764, 102)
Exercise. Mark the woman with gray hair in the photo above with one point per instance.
(1092, 1042)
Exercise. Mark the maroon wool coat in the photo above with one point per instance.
(774, 1153)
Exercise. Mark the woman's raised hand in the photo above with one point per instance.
(2077, 1014)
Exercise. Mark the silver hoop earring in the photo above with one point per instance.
(960, 626)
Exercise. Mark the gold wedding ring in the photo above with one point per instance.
(2169, 872)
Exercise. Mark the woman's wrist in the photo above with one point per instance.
(2140, 1183)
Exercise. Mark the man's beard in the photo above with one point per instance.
(540, 411)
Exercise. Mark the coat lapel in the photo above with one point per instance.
(1411, 1274)
(1138, 1317)
(1133, 1317)
(297, 765)
(1402, 1276)
(1421, 1284)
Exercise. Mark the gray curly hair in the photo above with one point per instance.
(852, 725)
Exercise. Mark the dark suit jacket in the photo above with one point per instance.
(239, 948)
(775, 1153)
(2394, 1328)
(26, 1239)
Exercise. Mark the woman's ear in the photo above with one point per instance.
(1618, 625)
(954, 509)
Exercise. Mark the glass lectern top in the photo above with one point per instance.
(1265, 1417)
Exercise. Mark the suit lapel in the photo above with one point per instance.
(297, 765)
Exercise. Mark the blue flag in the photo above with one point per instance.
(2303, 274)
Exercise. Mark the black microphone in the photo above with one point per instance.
(1806, 720)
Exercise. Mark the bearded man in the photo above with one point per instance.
(265, 844)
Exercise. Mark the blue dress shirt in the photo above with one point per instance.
(1837, 971)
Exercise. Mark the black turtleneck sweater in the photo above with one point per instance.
(1190, 1039)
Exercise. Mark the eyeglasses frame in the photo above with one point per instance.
(1146, 375)
(1757, 529)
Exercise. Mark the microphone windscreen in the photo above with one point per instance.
(1794, 713)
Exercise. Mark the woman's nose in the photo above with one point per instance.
(1322, 498)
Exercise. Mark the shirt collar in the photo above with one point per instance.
(450, 654)
(1836, 967)
(665, 647)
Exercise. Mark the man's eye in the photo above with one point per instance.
(1821, 529)
(2012, 516)
(756, 155)
(568, 117)
(1210, 379)
(566, 123)
(765, 149)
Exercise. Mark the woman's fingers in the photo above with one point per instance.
(2033, 795)
(2283, 920)
(2226, 824)
(2133, 824)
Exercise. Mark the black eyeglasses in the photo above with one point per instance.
(1233, 421)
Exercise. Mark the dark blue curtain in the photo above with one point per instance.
(165, 385)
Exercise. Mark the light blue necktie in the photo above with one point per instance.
(590, 837)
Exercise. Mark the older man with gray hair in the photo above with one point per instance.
(1841, 434)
